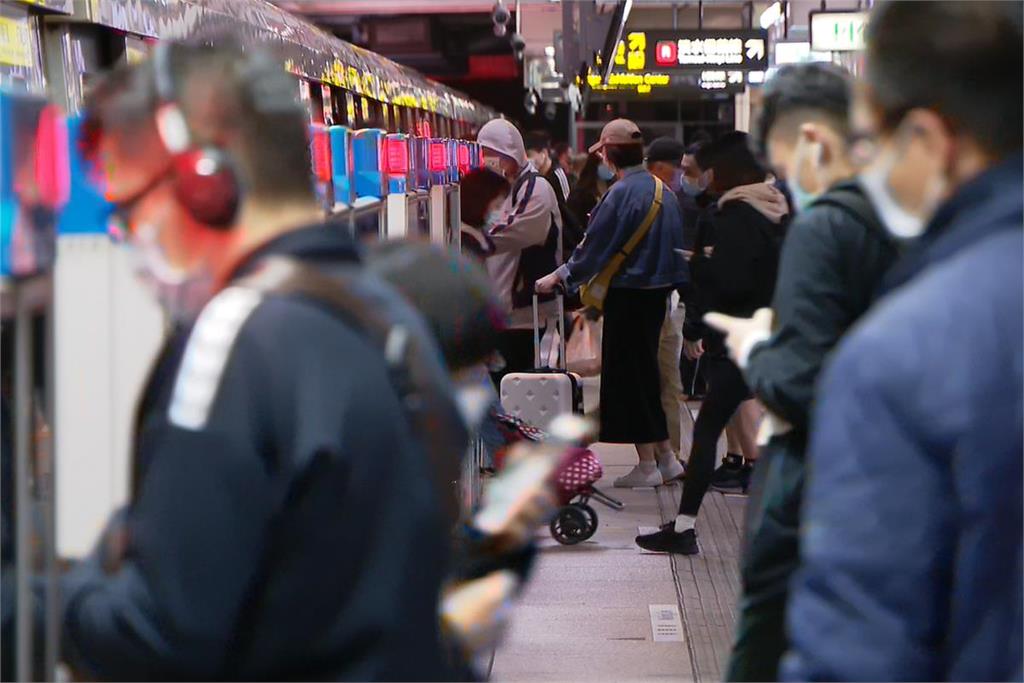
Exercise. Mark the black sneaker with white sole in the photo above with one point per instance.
(738, 482)
(666, 540)
(731, 466)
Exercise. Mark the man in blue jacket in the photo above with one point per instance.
(911, 547)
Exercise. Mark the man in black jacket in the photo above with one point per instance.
(835, 255)
(287, 520)
(538, 152)
(738, 277)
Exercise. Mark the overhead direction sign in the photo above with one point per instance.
(646, 61)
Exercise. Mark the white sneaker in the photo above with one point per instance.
(639, 478)
(670, 468)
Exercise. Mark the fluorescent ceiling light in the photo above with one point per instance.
(771, 15)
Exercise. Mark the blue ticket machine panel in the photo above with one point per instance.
(341, 163)
(420, 174)
(395, 161)
(367, 174)
(475, 158)
(34, 180)
(453, 160)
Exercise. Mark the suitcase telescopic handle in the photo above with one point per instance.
(559, 327)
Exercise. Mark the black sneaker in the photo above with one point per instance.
(666, 540)
(731, 466)
(737, 482)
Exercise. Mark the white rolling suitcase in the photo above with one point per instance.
(538, 396)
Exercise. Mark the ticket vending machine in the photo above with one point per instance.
(420, 181)
(442, 228)
(320, 153)
(463, 154)
(476, 159)
(34, 180)
(395, 166)
(341, 167)
(368, 182)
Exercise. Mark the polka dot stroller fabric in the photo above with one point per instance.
(577, 474)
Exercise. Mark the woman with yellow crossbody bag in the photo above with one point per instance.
(627, 264)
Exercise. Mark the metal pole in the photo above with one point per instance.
(22, 492)
(700, 14)
(52, 606)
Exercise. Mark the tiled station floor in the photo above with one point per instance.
(587, 613)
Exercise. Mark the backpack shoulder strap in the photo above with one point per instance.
(403, 352)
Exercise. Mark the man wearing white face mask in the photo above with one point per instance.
(286, 518)
(526, 239)
(912, 534)
(834, 256)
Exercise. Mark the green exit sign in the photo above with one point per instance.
(838, 31)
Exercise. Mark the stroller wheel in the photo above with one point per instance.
(591, 519)
(570, 526)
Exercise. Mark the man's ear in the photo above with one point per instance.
(934, 133)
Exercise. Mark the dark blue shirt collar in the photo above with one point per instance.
(327, 242)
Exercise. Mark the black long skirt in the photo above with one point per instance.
(631, 409)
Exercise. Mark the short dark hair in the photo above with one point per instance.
(537, 140)
(562, 148)
(247, 93)
(478, 188)
(732, 160)
(624, 156)
(813, 89)
(959, 59)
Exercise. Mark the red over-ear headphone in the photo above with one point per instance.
(205, 182)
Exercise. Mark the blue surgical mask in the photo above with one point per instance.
(493, 218)
(604, 173)
(801, 197)
(677, 177)
(689, 188)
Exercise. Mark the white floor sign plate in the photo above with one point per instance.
(666, 624)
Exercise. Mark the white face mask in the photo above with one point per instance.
(901, 223)
(180, 293)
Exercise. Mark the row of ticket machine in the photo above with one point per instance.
(397, 184)
(394, 184)
(381, 185)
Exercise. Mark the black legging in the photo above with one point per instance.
(516, 347)
(726, 391)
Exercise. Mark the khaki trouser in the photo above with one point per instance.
(670, 348)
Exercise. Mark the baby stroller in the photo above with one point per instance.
(576, 521)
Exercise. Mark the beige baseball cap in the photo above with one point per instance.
(618, 132)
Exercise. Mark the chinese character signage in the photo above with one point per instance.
(649, 60)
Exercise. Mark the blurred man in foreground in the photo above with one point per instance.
(912, 537)
(289, 516)
(833, 259)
